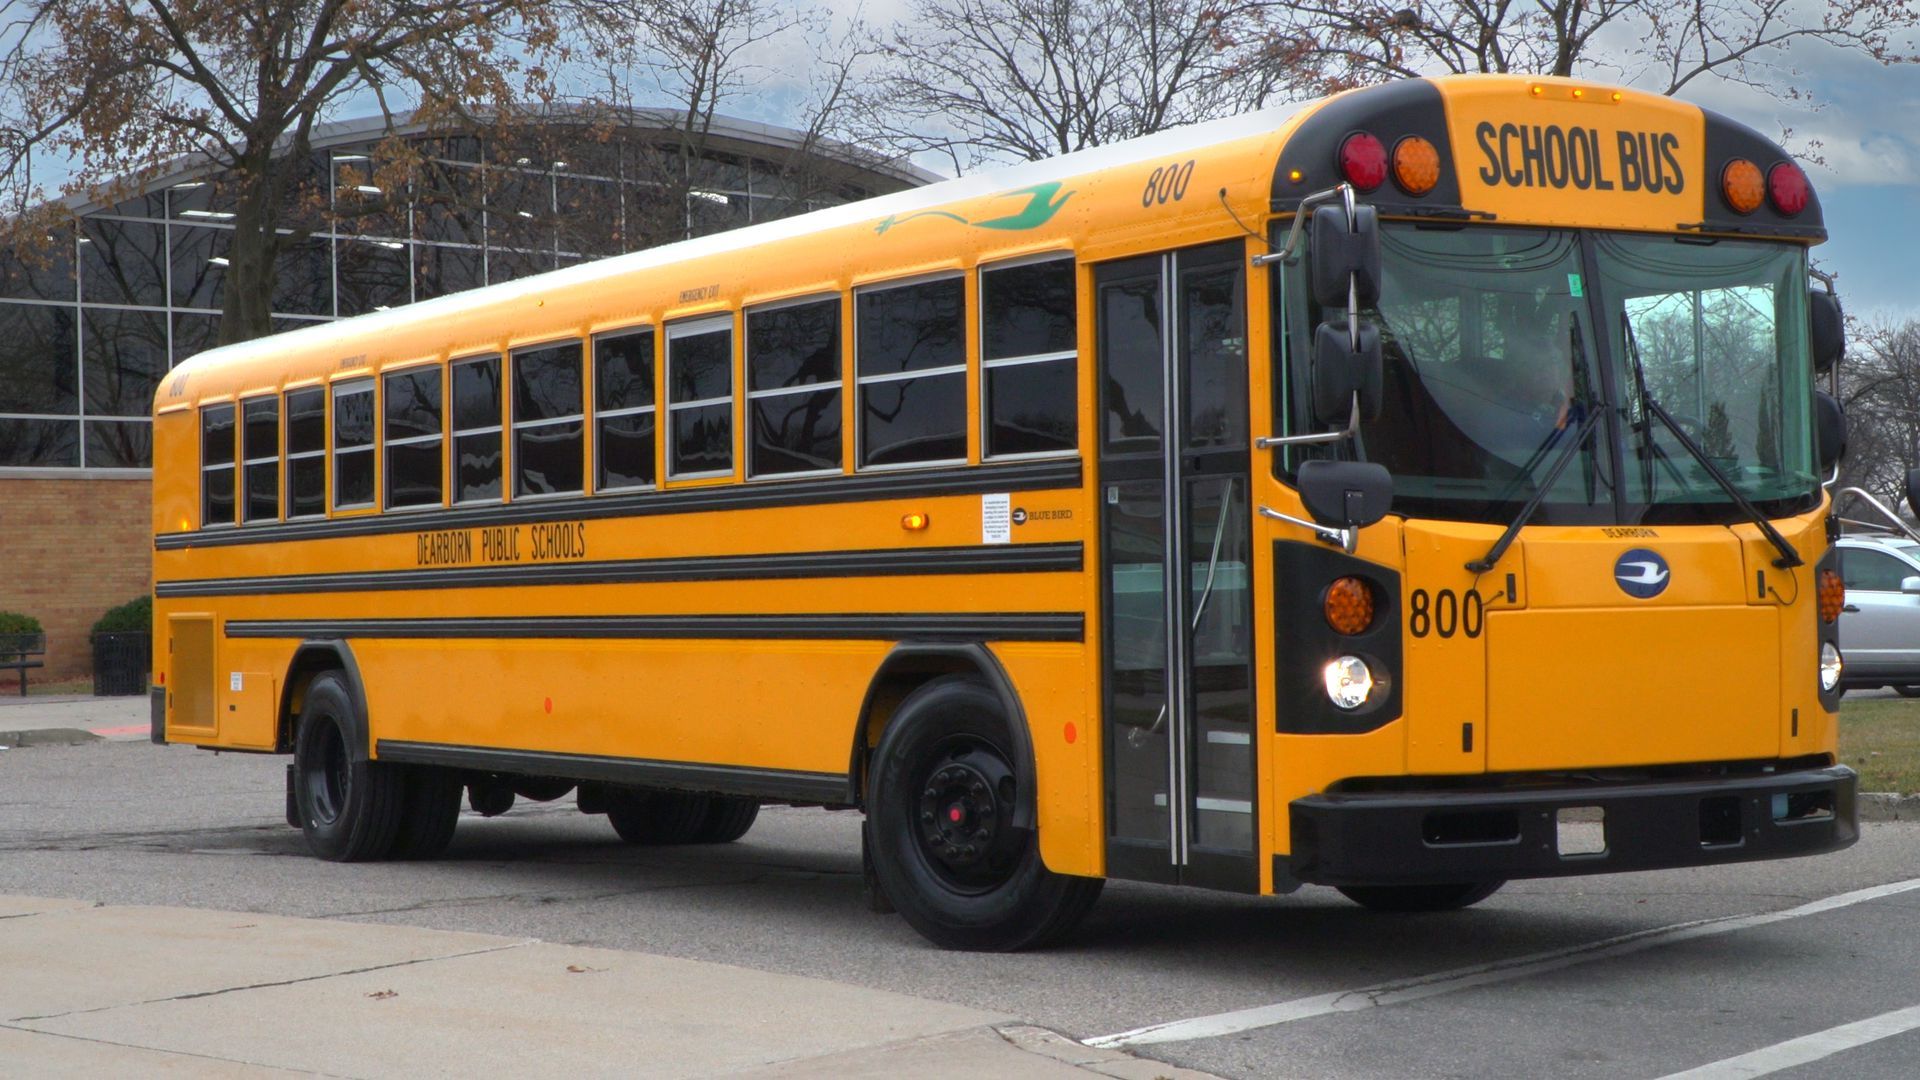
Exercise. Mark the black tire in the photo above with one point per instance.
(430, 813)
(728, 819)
(1415, 898)
(658, 817)
(349, 806)
(941, 806)
(1907, 691)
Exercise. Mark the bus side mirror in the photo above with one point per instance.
(1346, 494)
(1341, 370)
(1826, 330)
(1913, 489)
(1830, 433)
(1342, 255)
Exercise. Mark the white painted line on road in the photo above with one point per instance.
(1446, 982)
(1807, 1048)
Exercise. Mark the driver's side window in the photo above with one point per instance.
(1872, 571)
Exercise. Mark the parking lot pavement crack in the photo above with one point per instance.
(92, 1040)
(270, 984)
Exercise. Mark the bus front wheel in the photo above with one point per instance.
(942, 826)
(1411, 898)
(350, 807)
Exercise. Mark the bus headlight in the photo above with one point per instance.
(1350, 682)
(1830, 665)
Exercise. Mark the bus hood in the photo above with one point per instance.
(1598, 648)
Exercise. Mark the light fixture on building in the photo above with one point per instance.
(216, 215)
(219, 260)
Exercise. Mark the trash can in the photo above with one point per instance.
(121, 662)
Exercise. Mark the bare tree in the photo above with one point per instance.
(1662, 46)
(116, 89)
(994, 80)
(1880, 388)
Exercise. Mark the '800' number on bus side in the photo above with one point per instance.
(1446, 613)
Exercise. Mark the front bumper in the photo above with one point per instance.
(1428, 837)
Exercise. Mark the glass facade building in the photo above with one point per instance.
(90, 327)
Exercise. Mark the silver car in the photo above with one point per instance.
(1880, 624)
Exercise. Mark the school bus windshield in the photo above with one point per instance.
(1500, 343)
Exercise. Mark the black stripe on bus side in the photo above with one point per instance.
(942, 626)
(994, 559)
(784, 784)
(866, 487)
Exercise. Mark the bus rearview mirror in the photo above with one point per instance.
(1826, 330)
(1346, 494)
(1830, 432)
(1342, 369)
(1913, 490)
(1343, 254)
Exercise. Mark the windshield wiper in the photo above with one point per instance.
(1588, 422)
(1650, 405)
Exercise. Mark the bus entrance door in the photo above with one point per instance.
(1175, 546)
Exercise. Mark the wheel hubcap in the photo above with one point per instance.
(964, 815)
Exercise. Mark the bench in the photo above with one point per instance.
(18, 652)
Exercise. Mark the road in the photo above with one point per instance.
(1630, 975)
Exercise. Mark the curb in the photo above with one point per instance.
(1051, 1044)
(1887, 806)
(60, 736)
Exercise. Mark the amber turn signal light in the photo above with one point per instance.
(1349, 606)
(914, 522)
(1416, 165)
(1742, 186)
(1833, 596)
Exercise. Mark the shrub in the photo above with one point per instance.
(12, 622)
(132, 616)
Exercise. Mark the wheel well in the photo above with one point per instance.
(309, 661)
(912, 665)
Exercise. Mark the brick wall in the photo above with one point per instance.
(70, 548)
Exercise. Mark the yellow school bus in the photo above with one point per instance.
(1405, 492)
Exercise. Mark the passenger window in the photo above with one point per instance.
(216, 465)
(1873, 571)
(1028, 359)
(793, 389)
(353, 444)
(623, 410)
(260, 458)
(307, 452)
(476, 430)
(700, 398)
(412, 437)
(910, 364)
(549, 421)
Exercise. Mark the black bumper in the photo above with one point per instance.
(1415, 837)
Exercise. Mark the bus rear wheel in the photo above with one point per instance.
(350, 807)
(942, 827)
(1413, 898)
(658, 817)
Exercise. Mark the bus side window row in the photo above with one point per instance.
(910, 382)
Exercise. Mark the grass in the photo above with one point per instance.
(1880, 738)
(36, 689)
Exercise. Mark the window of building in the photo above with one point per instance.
(307, 452)
(549, 420)
(700, 398)
(623, 410)
(260, 458)
(1028, 359)
(353, 444)
(910, 364)
(412, 437)
(793, 388)
(216, 465)
(476, 430)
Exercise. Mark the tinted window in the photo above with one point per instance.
(413, 437)
(910, 362)
(911, 327)
(477, 430)
(624, 420)
(1873, 571)
(909, 420)
(353, 444)
(793, 400)
(549, 430)
(306, 452)
(699, 398)
(546, 382)
(476, 394)
(1028, 361)
(216, 465)
(261, 452)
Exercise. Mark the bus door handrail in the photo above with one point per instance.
(1882, 508)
